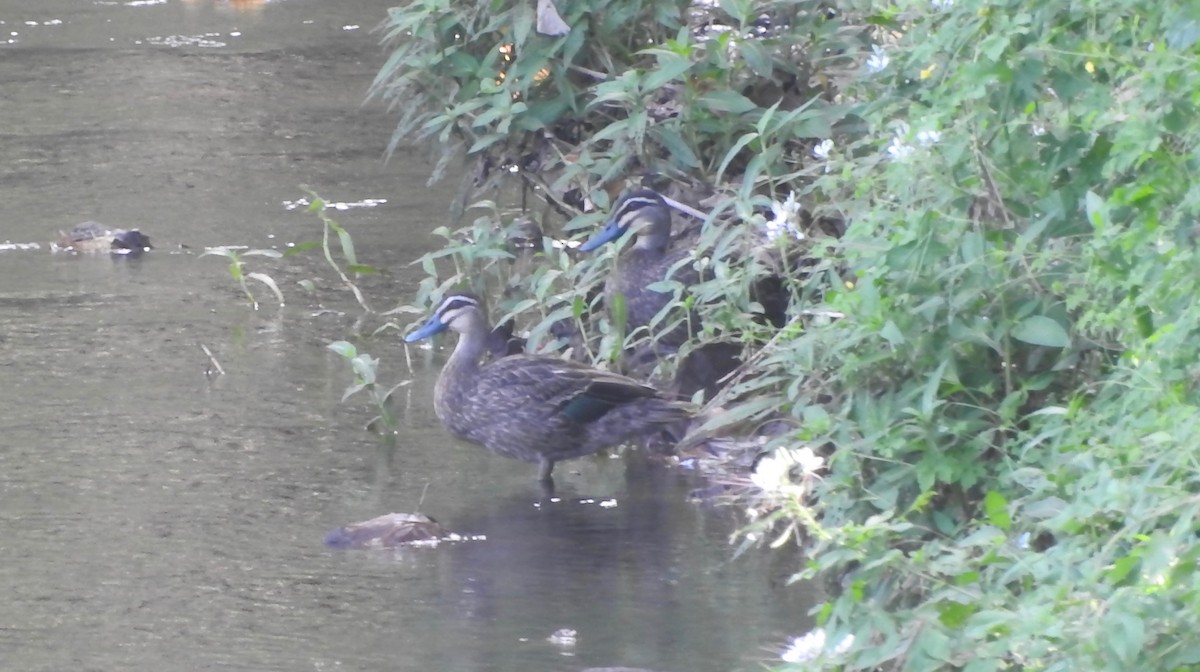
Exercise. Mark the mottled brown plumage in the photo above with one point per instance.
(536, 408)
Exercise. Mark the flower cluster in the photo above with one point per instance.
(809, 646)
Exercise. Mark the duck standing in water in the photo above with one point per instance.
(96, 237)
(536, 408)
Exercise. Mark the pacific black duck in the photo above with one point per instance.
(502, 342)
(653, 257)
(536, 408)
(96, 237)
(650, 259)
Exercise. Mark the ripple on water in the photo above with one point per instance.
(206, 40)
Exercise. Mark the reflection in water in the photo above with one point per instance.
(232, 6)
(153, 518)
(640, 583)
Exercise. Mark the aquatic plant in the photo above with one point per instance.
(345, 246)
(237, 263)
(366, 372)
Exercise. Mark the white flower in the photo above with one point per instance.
(775, 229)
(899, 149)
(773, 473)
(942, 4)
(878, 60)
(809, 646)
(810, 463)
(785, 218)
(821, 151)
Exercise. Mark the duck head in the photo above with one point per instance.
(132, 240)
(645, 213)
(459, 312)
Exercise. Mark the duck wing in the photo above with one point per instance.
(554, 387)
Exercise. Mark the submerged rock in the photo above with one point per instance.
(390, 531)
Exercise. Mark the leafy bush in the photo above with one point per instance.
(995, 345)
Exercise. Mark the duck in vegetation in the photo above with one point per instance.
(652, 258)
(502, 341)
(96, 237)
(536, 408)
(649, 260)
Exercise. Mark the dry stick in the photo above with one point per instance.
(211, 358)
(421, 501)
(594, 74)
(408, 359)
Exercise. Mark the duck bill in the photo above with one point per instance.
(433, 326)
(609, 233)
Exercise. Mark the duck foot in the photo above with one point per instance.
(545, 479)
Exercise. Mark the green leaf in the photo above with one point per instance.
(892, 334)
(523, 21)
(269, 282)
(353, 390)
(676, 146)
(995, 507)
(1097, 210)
(1127, 638)
(746, 139)
(982, 665)
(344, 348)
(756, 56)
(933, 643)
(365, 367)
(347, 243)
(219, 252)
(726, 102)
(1121, 569)
(669, 68)
(1041, 330)
(1181, 35)
(929, 398)
(273, 254)
(954, 614)
(1043, 509)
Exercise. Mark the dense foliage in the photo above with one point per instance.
(996, 348)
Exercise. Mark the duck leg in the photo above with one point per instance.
(544, 470)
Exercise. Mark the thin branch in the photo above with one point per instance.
(208, 371)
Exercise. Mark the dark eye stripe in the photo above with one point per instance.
(634, 203)
(456, 302)
(634, 207)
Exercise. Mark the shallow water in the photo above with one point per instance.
(153, 517)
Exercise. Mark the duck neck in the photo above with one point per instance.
(459, 373)
(650, 244)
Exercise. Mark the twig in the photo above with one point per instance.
(684, 208)
(215, 364)
(421, 501)
(594, 74)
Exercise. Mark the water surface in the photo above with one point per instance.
(157, 517)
